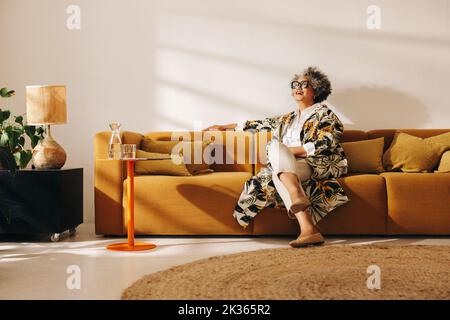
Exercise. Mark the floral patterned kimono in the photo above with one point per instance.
(324, 129)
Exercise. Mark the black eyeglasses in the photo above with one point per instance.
(300, 85)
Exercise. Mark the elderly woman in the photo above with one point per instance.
(304, 160)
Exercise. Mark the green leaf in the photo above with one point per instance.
(19, 120)
(13, 137)
(7, 160)
(4, 115)
(4, 139)
(21, 141)
(16, 156)
(34, 141)
(23, 157)
(40, 131)
(5, 93)
(19, 130)
(35, 134)
(30, 130)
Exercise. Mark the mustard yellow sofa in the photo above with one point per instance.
(381, 204)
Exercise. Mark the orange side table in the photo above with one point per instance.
(131, 245)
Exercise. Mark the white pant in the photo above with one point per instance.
(283, 160)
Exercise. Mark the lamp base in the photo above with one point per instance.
(48, 154)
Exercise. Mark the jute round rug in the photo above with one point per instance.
(327, 272)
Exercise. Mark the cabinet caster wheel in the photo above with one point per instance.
(72, 232)
(55, 237)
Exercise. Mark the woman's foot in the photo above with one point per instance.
(304, 240)
(310, 234)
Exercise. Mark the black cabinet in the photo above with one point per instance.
(41, 201)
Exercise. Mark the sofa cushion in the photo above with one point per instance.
(195, 153)
(364, 156)
(172, 165)
(418, 203)
(365, 213)
(201, 204)
(412, 154)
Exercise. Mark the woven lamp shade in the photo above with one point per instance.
(46, 105)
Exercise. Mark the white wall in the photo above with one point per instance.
(161, 65)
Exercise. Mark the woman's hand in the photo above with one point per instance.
(215, 127)
(298, 152)
(224, 127)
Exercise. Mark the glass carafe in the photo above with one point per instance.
(115, 143)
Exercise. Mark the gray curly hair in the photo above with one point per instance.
(319, 82)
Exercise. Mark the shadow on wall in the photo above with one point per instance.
(314, 29)
(379, 108)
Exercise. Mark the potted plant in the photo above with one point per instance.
(13, 154)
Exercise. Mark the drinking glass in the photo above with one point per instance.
(128, 151)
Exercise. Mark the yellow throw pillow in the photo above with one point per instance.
(167, 147)
(157, 146)
(444, 164)
(412, 154)
(364, 156)
(163, 167)
(441, 138)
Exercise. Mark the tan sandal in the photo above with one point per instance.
(315, 239)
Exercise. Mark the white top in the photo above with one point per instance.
(292, 136)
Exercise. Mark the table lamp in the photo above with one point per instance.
(46, 105)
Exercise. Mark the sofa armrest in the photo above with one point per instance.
(101, 141)
(108, 184)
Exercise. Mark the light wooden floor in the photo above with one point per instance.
(38, 270)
